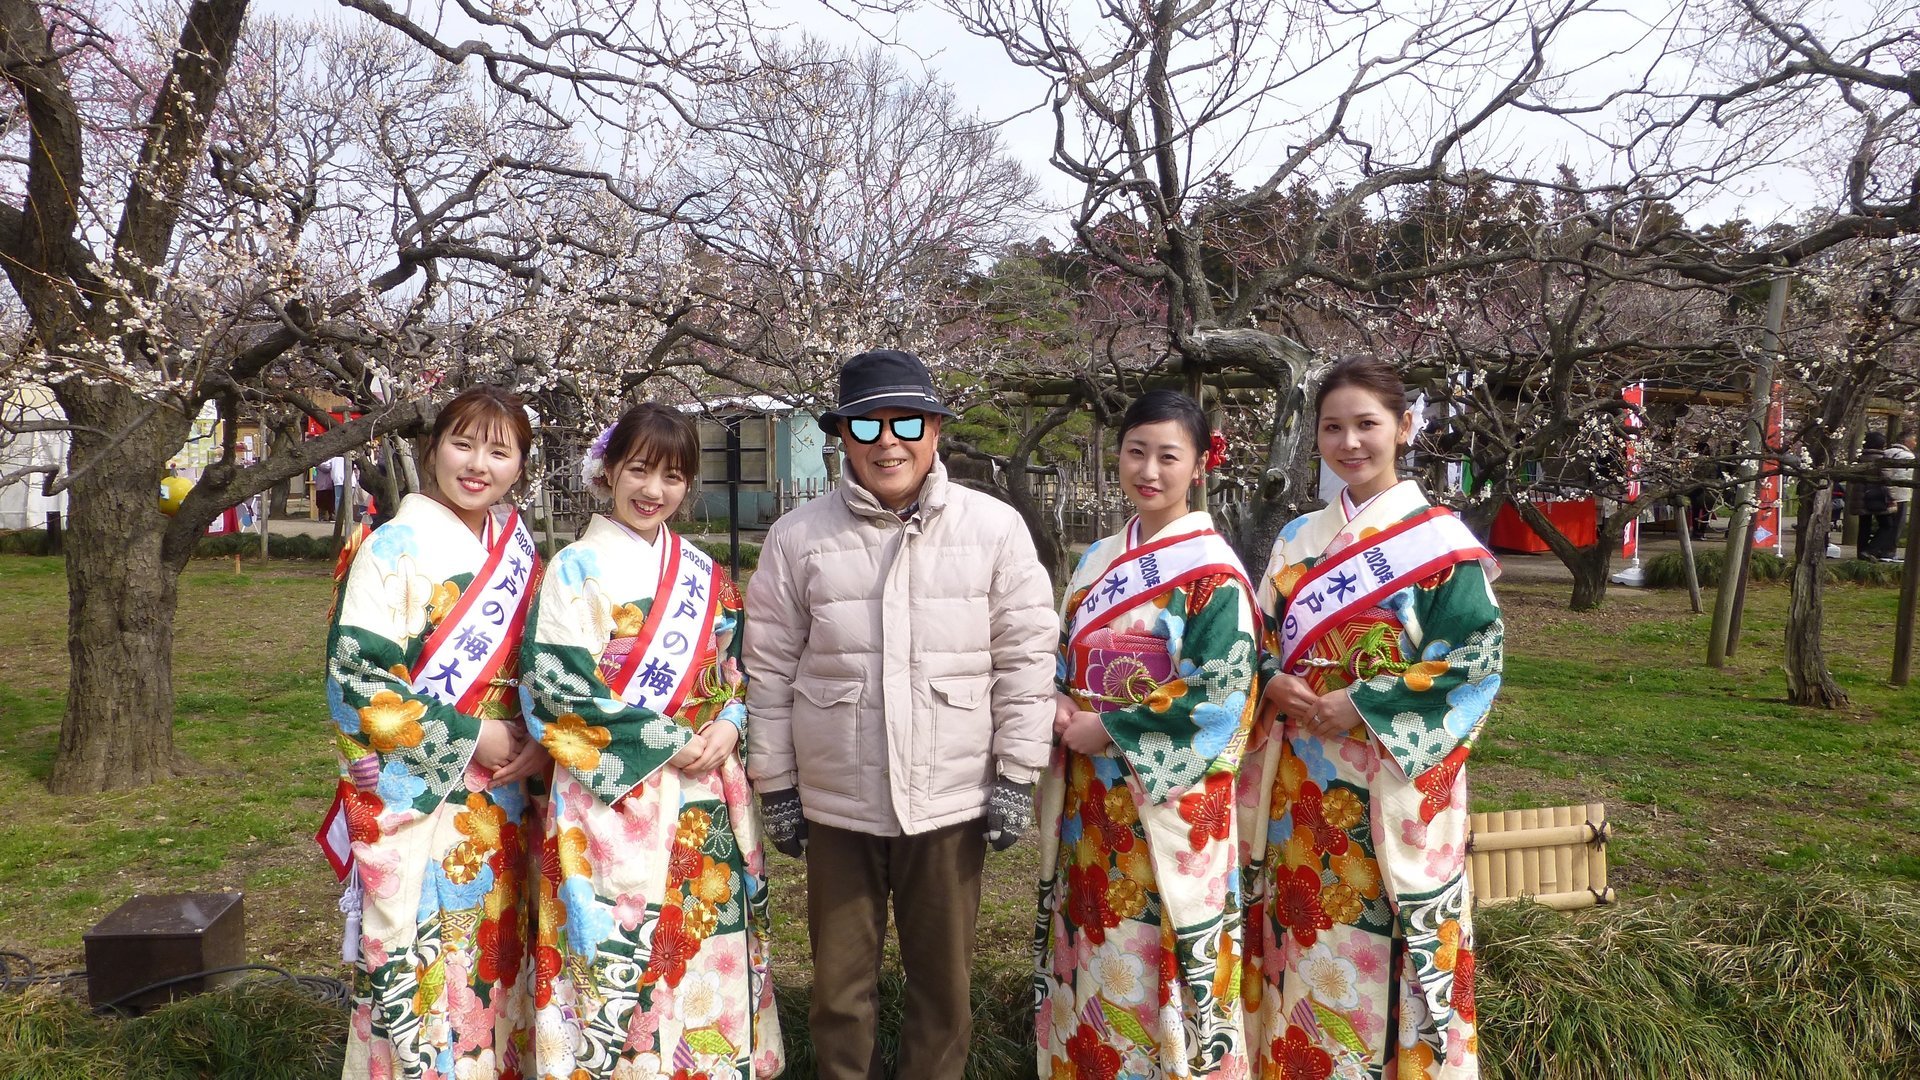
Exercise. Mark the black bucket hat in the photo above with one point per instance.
(883, 379)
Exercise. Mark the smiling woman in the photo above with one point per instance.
(1138, 841)
(650, 933)
(434, 759)
(1384, 647)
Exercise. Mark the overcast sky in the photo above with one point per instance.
(1605, 49)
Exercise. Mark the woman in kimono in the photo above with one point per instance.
(1138, 940)
(649, 953)
(434, 760)
(1384, 653)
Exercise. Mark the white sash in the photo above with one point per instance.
(1408, 551)
(677, 636)
(1147, 571)
(469, 647)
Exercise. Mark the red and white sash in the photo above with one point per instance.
(460, 661)
(1397, 556)
(469, 647)
(1144, 572)
(676, 641)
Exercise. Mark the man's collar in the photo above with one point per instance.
(933, 495)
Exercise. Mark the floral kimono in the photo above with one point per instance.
(650, 951)
(422, 647)
(1138, 940)
(1359, 939)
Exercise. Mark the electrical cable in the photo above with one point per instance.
(321, 987)
(18, 972)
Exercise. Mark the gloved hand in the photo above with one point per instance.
(780, 816)
(1009, 813)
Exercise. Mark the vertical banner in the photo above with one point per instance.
(1766, 526)
(1636, 397)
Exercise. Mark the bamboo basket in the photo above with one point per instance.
(1555, 856)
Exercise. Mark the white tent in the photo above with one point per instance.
(21, 504)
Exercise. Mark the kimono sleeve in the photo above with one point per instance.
(1453, 647)
(387, 605)
(1196, 723)
(611, 747)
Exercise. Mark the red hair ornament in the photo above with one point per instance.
(1216, 451)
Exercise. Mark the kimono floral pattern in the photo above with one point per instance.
(1138, 939)
(649, 946)
(1359, 939)
(440, 989)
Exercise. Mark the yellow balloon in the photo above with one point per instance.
(173, 492)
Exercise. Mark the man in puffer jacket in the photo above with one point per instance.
(900, 639)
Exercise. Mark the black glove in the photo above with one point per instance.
(780, 816)
(1009, 813)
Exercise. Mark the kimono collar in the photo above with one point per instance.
(605, 529)
(1393, 504)
(430, 515)
(1192, 521)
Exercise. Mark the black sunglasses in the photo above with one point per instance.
(866, 429)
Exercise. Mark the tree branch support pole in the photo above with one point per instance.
(1099, 456)
(1740, 579)
(1728, 599)
(732, 423)
(1909, 593)
(1686, 552)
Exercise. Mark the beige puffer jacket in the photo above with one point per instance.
(894, 668)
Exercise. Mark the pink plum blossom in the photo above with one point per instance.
(1413, 833)
(1443, 861)
(630, 910)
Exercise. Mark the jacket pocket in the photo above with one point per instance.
(962, 734)
(826, 723)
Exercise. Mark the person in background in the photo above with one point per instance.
(1899, 479)
(1877, 537)
(901, 692)
(323, 489)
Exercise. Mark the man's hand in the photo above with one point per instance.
(786, 827)
(1009, 813)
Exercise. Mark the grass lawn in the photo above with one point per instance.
(1715, 785)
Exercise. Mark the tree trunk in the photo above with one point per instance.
(122, 591)
(1591, 566)
(1281, 493)
(1048, 541)
(281, 438)
(1808, 680)
(1479, 515)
